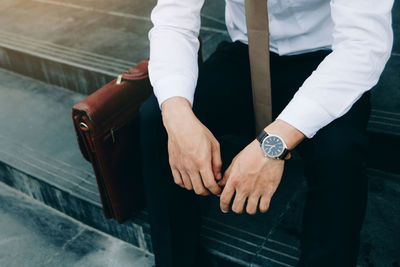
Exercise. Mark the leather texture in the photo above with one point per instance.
(261, 136)
(109, 139)
(258, 38)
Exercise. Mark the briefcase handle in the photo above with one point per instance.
(138, 72)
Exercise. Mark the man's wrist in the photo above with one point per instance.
(175, 102)
(174, 106)
(290, 135)
(176, 112)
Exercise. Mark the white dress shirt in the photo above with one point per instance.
(358, 31)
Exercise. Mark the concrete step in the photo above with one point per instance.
(25, 225)
(40, 157)
(80, 46)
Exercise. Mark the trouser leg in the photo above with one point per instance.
(335, 170)
(165, 201)
(223, 103)
(337, 190)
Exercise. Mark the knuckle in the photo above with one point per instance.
(214, 188)
(217, 145)
(190, 168)
(217, 164)
(176, 166)
(187, 164)
(190, 171)
(234, 181)
(200, 161)
(172, 164)
(210, 185)
(207, 183)
(244, 189)
(197, 162)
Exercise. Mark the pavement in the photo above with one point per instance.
(31, 234)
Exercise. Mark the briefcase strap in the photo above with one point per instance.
(258, 38)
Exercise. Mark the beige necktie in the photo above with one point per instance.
(258, 36)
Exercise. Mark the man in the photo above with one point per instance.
(325, 57)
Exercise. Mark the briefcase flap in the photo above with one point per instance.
(104, 107)
(111, 106)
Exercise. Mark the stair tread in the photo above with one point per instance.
(37, 133)
(118, 30)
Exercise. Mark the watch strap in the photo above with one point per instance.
(262, 136)
(285, 154)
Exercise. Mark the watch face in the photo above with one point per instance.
(273, 146)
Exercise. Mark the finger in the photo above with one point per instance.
(238, 203)
(186, 180)
(252, 204)
(226, 197)
(198, 185)
(216, 161)
(226, 176)
(209, 181)
(177, 177)
(264, 203)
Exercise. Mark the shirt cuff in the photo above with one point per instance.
(174, 86)
(305, 115)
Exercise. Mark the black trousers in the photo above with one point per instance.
(334, 161)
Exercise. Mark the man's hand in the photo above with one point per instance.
(253, 177)
(194, 153)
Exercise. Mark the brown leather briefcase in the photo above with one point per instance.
(107, 127)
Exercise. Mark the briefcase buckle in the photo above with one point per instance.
(119, 79)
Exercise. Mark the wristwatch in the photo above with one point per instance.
(273, 146)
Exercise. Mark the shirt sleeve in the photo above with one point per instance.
(362, 43)
(174, 45)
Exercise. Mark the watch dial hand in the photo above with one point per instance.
(268, 148)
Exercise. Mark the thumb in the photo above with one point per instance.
(216, 161)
